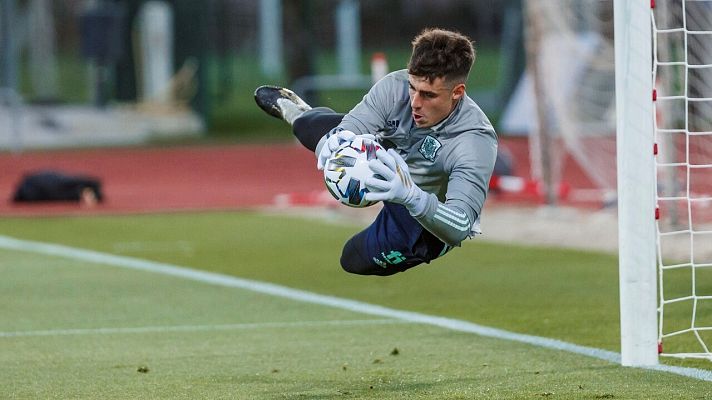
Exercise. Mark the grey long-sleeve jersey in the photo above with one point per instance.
(451, 161)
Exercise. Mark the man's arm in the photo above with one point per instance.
(452, 220)
(392, 182)
(449, 223)
(366, 118)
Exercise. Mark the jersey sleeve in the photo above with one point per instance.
(470, 165)
(371, 113)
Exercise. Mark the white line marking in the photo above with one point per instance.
(200, 328)
(9, 243)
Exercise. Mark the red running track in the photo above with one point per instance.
(195, 178)
(169, 179)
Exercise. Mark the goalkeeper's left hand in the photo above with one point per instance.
(394, 183)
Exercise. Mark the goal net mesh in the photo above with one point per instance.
(571, 49)
(570, 59)
(682, 73)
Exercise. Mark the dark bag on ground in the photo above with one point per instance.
(56, 186)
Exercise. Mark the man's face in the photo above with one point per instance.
(432, 101)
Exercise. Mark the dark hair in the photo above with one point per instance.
(441, 53)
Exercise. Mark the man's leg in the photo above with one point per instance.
(393, 243)
(309, 124)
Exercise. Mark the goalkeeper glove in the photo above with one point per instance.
(392, 182)
(333, 141)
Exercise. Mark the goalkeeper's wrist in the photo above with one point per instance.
(416, 202)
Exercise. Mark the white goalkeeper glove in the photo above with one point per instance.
(333, 141)
(394, 184)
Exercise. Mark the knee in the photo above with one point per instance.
(356, 262)
(353, 262)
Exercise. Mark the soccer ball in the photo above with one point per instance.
(347, 169)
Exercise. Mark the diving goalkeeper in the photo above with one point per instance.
(440, 157)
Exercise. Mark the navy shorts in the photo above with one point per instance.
(393, 243)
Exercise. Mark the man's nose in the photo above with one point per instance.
(415, 101)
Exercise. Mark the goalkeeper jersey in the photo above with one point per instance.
(452, 161)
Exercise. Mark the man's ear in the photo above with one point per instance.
(458, 91)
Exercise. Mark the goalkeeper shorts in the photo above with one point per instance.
(393, 243)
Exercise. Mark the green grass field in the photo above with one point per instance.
(76, 328)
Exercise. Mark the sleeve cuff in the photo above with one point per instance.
(419, 206)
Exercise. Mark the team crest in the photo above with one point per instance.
(429, 148)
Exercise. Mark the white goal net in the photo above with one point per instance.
(572, 66)
(682, 73)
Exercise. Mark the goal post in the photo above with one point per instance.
(636, 182)
(624, 91)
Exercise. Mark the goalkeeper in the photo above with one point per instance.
(440, 157)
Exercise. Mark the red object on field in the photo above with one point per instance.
(525, 187)
(379, 66)
(306, 199)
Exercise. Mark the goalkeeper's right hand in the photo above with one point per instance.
(333, 141)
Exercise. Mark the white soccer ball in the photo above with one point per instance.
(347, 169)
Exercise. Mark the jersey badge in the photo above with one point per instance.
(429, 148)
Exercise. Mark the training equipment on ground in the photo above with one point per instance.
(347, 169)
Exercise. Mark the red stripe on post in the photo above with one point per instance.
(655, 149)
(655, 94)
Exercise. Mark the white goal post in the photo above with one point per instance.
(663, 63)
(636, 182)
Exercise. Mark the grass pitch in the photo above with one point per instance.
(71, 328)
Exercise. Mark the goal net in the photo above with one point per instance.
(682, 76)
(572, 66)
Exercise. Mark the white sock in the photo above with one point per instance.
(290, 110)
